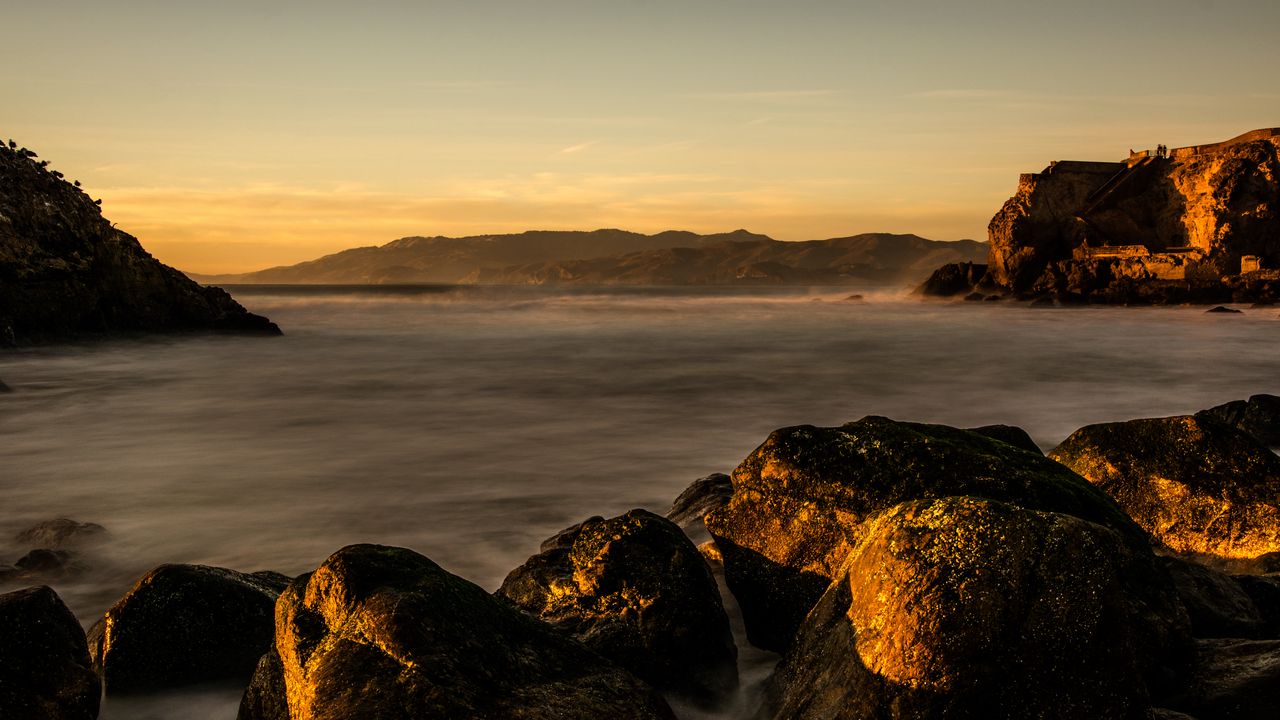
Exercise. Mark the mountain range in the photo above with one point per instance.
(618, 257)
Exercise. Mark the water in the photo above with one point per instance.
(470, 423)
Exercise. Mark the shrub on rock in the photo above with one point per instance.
(636, 590)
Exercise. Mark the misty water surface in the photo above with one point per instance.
(470, 423)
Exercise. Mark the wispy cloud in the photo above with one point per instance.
(960, 94)
(767, 95)
(579, 147)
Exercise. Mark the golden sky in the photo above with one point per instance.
(233, 136)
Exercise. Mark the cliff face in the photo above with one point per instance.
(1155, 228)
(65, 271)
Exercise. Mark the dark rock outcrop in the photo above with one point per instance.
(1196, 484)
(800, 498)
(1264, 592)
(1011, 434)
(58, 533)
(185, 624)
(953, 279)
(265, 698)
(65, 271)
(45, 671)
(382, 632)
(1217, 605)
(4, 388)
(1233, 679)
(704, 496)
(1259, 416)
(963, 607)
(636, 590)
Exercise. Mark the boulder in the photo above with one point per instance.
(1011, 434)
(1219, 309)
(1259, 416)
(800, 498)
(952, 279)
(58, 533)
(265, 698)
(969, 608)
(705, 495)
(1264, 592)
(45, 670)
(185, 624)
(5, 388)
(636, 590)
(50, 563)
(1232, 679)
(1217, 605)
(384, 633)
(1196, 484)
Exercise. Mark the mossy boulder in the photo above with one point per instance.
(45, 670)
(186, 624)
(383, 633)
(968, 608)
(800, 498)
(1196, 484)
(636, 590)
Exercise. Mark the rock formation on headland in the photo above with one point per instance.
(1192, 224)
(65, 271)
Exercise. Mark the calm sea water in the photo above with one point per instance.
(470, 423)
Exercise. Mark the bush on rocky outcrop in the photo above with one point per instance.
(636, 590)
(1196, 484)
(45, 670)
(384, 633)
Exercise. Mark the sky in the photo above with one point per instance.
(230, 136)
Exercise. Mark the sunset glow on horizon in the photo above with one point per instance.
(234, 136)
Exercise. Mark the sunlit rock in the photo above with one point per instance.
(184, 624)
(969, 608)
(45, 670)
(800, 498)
(636, 590)
(383, 632)
(1196, 484)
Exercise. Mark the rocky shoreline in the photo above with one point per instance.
(900, 570)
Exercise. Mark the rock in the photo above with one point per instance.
(58, 533)
(382, 632)
(65, 271)
(1223, 309)
(1233, 679)
(1264, 592)
(636, 590)
(703, 496)
(265, 697)
(800, 498)
(47, 562)
(1259, 416)
(1197, 485)
(968, 608)
(45, 671)
(856, 297)
(952, 279)
(974, 297)
(5, 388)
(185, 624)
(1011, 434)
(1216, 604)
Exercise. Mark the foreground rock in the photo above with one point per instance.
(800, 498)
(45, 671)
(185, 624)
(1233, 680)
(1259, 416)
(382, 632)
(962, 607)
(1196, 484)
(636, 590)
(65, 271)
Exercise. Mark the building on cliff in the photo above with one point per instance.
(1196, 223)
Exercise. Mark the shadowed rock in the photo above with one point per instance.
(968, 608)
(384, 633)
(703, 496)
(45, 671)
(1216, 603)
(185, 624)
(800, 498)
(636, 590)
(1259, 416)
(1011, 434)
(1196, 484)
(58, 533)
(1264, 591)
(1233, 680)
(953, 279)
(4, 388)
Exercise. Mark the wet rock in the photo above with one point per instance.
(1216, 604)
(963, 607)
(1233, 679)
(47, 562)
(1264, 591)
(45, 671)
(953, 279)
(636, 590)
(1011, 434)
(382, 632)
(703, 496)
(1259, 416)
(800, 498)
(1223, 309)
(1197, 485)
(58, 533)
(185, 624)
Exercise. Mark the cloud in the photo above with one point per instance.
(960, 94)
(767, 95)
(579, 147)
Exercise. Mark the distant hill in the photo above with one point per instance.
(611, 257)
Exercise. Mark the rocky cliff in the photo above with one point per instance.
(1196, 224)
(65, 271)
